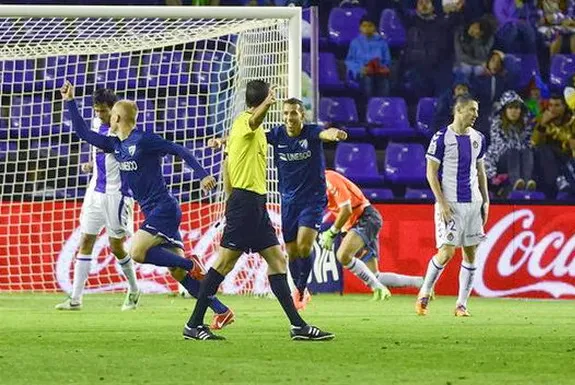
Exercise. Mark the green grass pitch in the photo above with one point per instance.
(505, 342)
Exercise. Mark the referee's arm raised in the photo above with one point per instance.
(259, 113)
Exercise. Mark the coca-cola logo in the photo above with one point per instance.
(522, 257)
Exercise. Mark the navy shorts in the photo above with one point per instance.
(248, 225)
(296, 215)
(367, 227)
(164, 220)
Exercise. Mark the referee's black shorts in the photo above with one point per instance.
(248, 225)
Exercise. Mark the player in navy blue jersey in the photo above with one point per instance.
(300, 162)
(140, 154)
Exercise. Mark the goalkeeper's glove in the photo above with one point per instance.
(328, 236)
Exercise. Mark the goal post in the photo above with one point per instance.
(186, 67)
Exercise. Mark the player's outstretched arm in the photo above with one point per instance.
(332, 135)
(106, 143)
(261, 111)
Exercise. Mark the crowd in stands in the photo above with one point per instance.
(380, 57)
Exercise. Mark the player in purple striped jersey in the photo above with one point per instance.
(108, 203)
(139, 154)
(456, 174)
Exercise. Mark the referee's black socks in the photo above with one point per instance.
(208, 288)
(280, 288)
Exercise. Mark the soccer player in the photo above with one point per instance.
(248, 226)
(108, 203)
(300, 161)
(139, 154)
(456, 174)
(359, 249)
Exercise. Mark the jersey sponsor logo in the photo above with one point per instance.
(526, 259)
(295, 156)
(128, 166)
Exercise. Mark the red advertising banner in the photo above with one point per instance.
(529, 251)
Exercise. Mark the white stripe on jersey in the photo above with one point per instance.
(111, 183)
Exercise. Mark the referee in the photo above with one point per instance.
(248, 225)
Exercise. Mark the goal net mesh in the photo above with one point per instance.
(188, 78)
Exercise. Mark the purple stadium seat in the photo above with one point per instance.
(115, 71)
(210, 68)
(61, 68)
(424, 194)
(358, 162)
(391, 28)
(343, 24)
(30, 116)
(565, 196)
(328, 73)
(210, 159)
(18, 75)
(388, 117)
(147, 116)
(425, 114)
(562, 67)
(163, 69)
(405, 163)
(338, 110)
(528, 67)
(306, 63)
(356, 133)
(378, 194)
(526, 195)
(184, 113)
(175, 171)
(85, 109)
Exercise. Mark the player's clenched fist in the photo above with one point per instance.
(216, 143)
(87, 167)
(271, 98)
(208, 183)
(67, 91)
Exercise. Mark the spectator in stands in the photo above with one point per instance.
(516, 31)
(510, 149)
(428, 55)
(537, 93)
(443, 110)
(473, 43)
(368, 60)
(566, 181)
(557, 25)
(551, 139)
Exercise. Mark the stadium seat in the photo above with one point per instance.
(328, 74)
(378, 194)
(147, 116)
(185, 117)
(527, 65)
(85, 110)
(209, 68)
(18, 75)
(343, 24)
(422, 194)
(116, 71)
(391, 28)
(358, 162)
(163, 69)
(338, 110)
(425, 115)
(174, 171)
(565, 196)
(306, 63)
(210, 159)
(388, 118)
(526, 195)
(562, 67)
(405, 163)
(30, 117)
(61, 68)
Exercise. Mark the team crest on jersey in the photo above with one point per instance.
(303, 143)
(475, 144)
(132, 150)
(450, 237)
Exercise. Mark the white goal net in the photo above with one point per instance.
(185, 67)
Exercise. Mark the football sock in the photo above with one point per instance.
(127, 265)
(398, 280)
(360, 270)
(280, 288)
(306, 265)
(208, 288)
(160, 256)
(466, 275)
(295, 269)
(193, 287)
(81, 272)
(434, 269)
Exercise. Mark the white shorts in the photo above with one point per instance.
(464, 229)
(115, 212)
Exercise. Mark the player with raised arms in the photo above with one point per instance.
(140, 154)
(360, 223)
(299, 158)
(456, 175)
(248, 226)
(108, 203)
